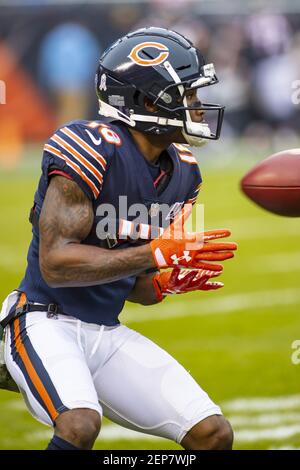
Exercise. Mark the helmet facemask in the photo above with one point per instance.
(195, 133)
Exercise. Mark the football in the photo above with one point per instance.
(274, 183)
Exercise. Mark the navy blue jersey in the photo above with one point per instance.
(104, 160)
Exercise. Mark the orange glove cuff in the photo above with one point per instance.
(157, 288)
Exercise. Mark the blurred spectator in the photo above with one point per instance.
(268, 34)
(122, 18)
(272, 89)
(68, 60)
(26, 115)
(196, 31)
(257, 57)
(227, 44)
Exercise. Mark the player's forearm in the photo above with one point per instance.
(143, 291)
(77, 265)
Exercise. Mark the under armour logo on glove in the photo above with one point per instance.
(173, 247)
(185, 257)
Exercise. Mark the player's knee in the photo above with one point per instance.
(213, 433)
(79, 427)
(223, 437)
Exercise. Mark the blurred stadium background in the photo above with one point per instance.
(236, 342)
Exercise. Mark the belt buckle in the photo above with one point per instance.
(52, 311)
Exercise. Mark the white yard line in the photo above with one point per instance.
(259, 420)
(259, 404)
(272, 434)
(277, 426)
(113, 432)
(286, 447)
(223, 305)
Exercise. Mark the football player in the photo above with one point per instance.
(64, 346)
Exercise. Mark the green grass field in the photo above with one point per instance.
(236, 342)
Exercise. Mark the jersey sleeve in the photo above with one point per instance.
(192, 198)
(194, 176)
(195, 185)
(75, 150)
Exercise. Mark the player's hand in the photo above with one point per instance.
(180, 281)
(190, 250)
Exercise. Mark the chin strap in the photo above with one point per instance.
(194, 141)
(109, 111)
(198, 141)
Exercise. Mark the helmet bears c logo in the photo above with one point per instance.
(162, 56)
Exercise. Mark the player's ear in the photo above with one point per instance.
(152, 108)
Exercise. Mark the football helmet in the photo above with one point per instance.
(164, 66)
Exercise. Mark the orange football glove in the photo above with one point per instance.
(180, 281)
(177, 248)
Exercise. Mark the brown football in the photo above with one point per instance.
(274, 183)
